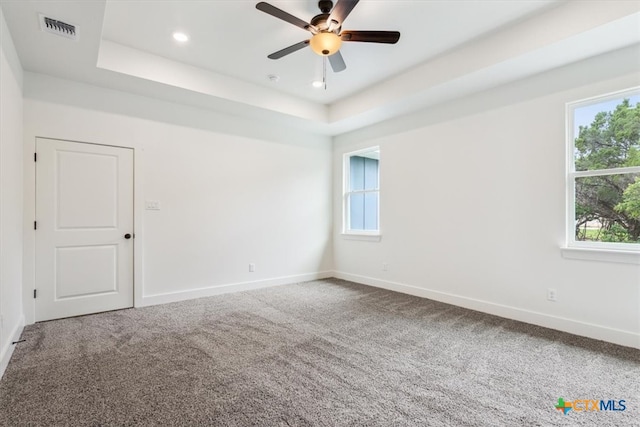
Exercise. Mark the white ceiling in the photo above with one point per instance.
(447, 49)
(234, 38)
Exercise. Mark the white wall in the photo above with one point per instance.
(473, 207)
(232, 191)
(11, 319)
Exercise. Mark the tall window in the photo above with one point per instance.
(604, 172)
(362, 191)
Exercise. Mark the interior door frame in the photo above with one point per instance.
(29, 266)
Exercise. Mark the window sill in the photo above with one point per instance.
(605, 255)
(362, 237)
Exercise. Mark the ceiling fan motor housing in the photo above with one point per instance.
(322, 23)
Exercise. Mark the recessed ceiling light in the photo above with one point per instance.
(181, 37)
(317, 84)
(273, 78)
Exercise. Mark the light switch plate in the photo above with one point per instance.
(152, 205)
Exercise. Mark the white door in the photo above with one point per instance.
(84, 228)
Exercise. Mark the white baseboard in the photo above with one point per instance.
(7, 348)
(148, 300)
(598, 332)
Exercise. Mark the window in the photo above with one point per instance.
(604, 172)
(362, 192)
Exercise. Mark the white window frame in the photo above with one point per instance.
(347, 232)
(599, 251)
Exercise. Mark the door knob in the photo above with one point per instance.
(127, 236)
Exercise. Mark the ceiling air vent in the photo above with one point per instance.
(54, 26)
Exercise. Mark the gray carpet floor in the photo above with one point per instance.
(325, 353)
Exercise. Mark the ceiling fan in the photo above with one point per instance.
(326, 29)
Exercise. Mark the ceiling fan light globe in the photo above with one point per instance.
(325, 43)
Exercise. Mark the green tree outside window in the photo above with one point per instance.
(607, 206)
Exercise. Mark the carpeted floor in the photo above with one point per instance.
(326, 353)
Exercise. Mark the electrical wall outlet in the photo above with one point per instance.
(552, 294)
(252, 267)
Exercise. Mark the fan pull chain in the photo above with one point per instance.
(324, 72)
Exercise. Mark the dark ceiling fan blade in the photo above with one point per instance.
(337, 62)
(287, 50)
(390, 37)
(281, 14)
(341, 10)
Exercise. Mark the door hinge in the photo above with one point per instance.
(35, 293)
(35, 157)
(35, 225)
